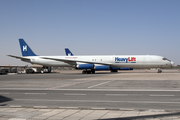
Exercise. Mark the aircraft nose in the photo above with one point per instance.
(172, 63)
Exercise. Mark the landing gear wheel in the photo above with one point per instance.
(114, 70)
(93, 71)
(88, 72)
(84, 72)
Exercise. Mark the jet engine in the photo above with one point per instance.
(125, 68)
(101, 67)
(85, 66)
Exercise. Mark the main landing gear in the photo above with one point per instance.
(85, 71)
(88, 71)
(114, 70)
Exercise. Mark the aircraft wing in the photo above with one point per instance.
(70, 60)
(22, 58)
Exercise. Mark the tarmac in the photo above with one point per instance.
(85, 114)
(73, 113)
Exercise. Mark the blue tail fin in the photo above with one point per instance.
(68, 52)
(25, 49)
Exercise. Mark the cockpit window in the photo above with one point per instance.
(165, 59)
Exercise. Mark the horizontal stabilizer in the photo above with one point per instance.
(22, 58)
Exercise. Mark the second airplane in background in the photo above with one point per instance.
(91, 63)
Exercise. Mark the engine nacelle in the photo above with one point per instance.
(101, 67)
(114, 68)
(125, 68)
(85, 66)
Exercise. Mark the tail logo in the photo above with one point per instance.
(25, 48)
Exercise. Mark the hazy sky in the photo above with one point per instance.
(90, 27)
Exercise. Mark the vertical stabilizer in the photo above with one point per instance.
(68, 52)
(25, 49)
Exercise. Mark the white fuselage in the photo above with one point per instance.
(131, 61)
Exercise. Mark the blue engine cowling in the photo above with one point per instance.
(103, 67)
(85, 66)
(125, 68)
(114, 68)
(98, 68)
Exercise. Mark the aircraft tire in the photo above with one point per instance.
(84, 72)
(114, 70)
(93, 71)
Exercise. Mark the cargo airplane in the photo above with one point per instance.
(89, 64)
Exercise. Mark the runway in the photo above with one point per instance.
(140, 100)
(140, 90)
